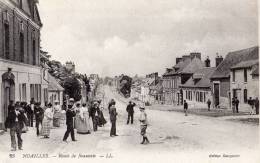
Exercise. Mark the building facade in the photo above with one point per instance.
(179, 74)
(245, 82)
(220, 80)
(197, 90)
(20, 69)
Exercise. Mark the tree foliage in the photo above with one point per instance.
(72, 88)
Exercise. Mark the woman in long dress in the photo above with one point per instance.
(56, 115)
(77, 117)
(46, 123)
(83, 123)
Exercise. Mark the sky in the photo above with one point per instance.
(113, 37)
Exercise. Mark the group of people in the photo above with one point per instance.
(78, 116)
(22, 115)
(254, 104)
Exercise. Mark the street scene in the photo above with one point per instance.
(139, 81)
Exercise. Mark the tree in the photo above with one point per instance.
(72, 88)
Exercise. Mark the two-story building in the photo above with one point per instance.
(179, 74)
(245, 81)
(220, 79)
(20, 69)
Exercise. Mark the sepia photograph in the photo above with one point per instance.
(129, 81)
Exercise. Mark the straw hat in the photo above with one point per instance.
(71, 99)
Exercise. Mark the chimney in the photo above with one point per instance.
(207, 62)
(178, 60)
(219, 59)
(195, 55)
(168, 70)
(186, 57)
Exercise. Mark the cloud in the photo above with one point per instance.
(144, 36)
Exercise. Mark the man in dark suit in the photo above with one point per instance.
(94, 115)
(29, 111)
(237, 104)
(130, 111)
(16, 119)
(113, 115)
(69, 122)
(39, 113)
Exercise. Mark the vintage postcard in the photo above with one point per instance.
(129, 81)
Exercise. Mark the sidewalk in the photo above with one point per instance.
(197, 111)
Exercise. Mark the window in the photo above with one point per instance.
(245, 75)
(233, 76)
(6, 40)
(201, 97)
(21, 40)
(34, 52)
(245, 95)
(22, 92)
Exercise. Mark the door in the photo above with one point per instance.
(216, 94)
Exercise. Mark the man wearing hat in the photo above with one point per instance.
(39, 114)
(130, 111)
(94, 115)
(70, 113)
(143, 124)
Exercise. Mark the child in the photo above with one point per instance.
(143, 125)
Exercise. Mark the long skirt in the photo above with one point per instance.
(56, 122)
(46, 128)
(143, 130)
(83, 126)
(101, 119)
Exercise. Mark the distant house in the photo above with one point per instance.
(55, 90)
(179, 74)
(197, 90)
(156, 92)
(245, 81)
(220, 79)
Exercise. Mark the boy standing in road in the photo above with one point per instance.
(143, 124)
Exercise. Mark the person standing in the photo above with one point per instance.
(256, 106)
(70, 113)
(16, 119)
(112, 102)
(101, 119)
(251, 103)
(77, 117)
(185, 105)
(209, 103)
(29, 112)
(94, 115)
(113, 115)
(39, 114)
(130, 111)
(56, 115)
(84, 126)
(46, 123)
(143, 125)
(233, 102)
(237, 104)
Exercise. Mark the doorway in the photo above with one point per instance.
(216, 94)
